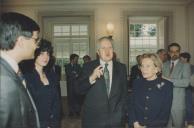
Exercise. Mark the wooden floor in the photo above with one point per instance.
(74, 122)
(69, 122)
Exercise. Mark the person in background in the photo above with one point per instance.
(86, 59)
(185, 58)
(57, 70)
(73, 70)
(178, 73)
(162, 55)
(146, 111)
(19, 37)
(42, 85)
(135, 71)
(104, 82)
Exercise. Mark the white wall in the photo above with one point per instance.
(112, 11)
(191, 30)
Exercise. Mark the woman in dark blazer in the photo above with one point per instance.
(151, 96)
(42, 84)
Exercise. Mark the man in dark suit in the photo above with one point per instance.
(18, 40)
(72, 71)
(105, 84)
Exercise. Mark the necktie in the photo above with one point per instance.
(171, 68)
(107, 78)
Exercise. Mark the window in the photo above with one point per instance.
(145, 36)
(68, 39)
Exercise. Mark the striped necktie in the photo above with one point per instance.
(107, 78)
(171, 68)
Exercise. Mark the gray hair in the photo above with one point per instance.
(104, 38)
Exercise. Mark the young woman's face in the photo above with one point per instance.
(148, 69)
(43, 59)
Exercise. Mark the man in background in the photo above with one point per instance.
(179, 74)
(73, 70)
(185, 58)
(162, 55)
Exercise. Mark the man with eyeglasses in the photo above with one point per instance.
(18, 41)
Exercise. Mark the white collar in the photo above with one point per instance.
(103, 63)
(175, 61)
(10, 61)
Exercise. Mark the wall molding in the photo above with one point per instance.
(83, 2)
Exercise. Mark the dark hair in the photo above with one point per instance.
(186, 55)
(72, 56)
(44, 46)
(174, 44)
(87, 57)
(13, 25)
(160, 50)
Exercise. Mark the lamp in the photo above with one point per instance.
(110, 29)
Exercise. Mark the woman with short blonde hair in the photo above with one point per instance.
(151, 95)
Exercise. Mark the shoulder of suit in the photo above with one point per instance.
(118, 63)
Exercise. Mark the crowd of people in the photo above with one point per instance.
(161, 84)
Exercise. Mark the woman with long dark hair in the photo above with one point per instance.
(42, 84)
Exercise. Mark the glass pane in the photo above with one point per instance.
(66, 30)
(83, 30)
(76, 47)
(57, 29)
(143, 38)
(75, 29)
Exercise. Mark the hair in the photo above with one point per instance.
(186, 55)
(72, 56)
(156, 60)
(174, 45)
(86, 57)
(13, 25)
(44, 46)
(138, 59)
(160, 50)
(104, 38)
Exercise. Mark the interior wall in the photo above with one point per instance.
(107, 12)
(191, 30)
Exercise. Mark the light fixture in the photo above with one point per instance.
(110, 29)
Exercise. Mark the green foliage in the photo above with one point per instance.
(136, 30)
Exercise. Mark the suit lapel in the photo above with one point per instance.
(177, 68)
(115, 84)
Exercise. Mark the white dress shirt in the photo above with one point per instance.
(110, 69)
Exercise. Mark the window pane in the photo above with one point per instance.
(143, 38)
(75, 29)
(69, 39)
